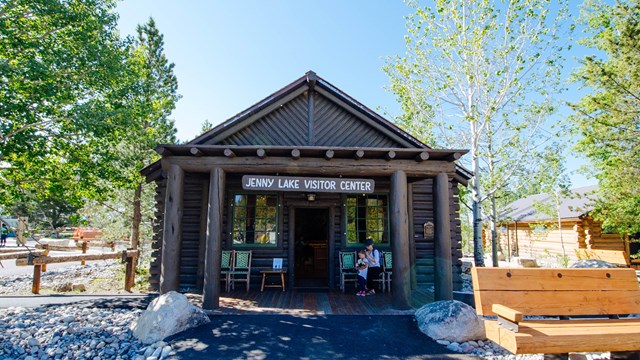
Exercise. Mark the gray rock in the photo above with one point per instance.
(466, 347)
(165, 352)
(168, 314)
(450, 320)
(79, 287)
(64, 287)
(33, 342)
(157, 352)
(592, 263)
(453, 347)
(528, 263)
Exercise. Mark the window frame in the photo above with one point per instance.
(345, 221)
(232, 215)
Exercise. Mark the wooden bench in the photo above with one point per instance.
(600, 294)
(618, 257)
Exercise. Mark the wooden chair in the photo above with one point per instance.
(387, 269)
(226, 265)
(348, 270)
(241, 270)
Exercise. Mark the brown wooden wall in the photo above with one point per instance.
(194, 225)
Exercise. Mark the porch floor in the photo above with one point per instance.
(310, 302)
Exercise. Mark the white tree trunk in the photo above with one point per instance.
(476, 207)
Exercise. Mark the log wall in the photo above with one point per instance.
(194, 216)
(585, 233)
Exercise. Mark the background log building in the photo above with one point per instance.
(526, 231)
(207, 199)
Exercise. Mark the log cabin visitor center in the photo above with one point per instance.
(291, 186)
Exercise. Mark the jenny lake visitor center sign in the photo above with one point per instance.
(290, 183)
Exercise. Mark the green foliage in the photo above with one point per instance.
(206, 126)
(60, 61)
(151, 89)
(609, 118)
(484, 75)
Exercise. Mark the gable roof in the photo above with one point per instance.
(309, 112)
(577, 204)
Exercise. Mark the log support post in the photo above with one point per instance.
(84, 251)
(172, 233)
(37, 271)
(401, 284)
(213, 250)
(45, 247)
(443, 261)
(129, 274)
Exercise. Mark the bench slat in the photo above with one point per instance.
(560, 302)
(620, 335)
(518, 279)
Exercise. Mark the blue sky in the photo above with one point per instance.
(230, 54)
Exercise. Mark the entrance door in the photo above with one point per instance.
(311, 253)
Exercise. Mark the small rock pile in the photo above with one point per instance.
(70, 332)
(486, 349)
(70, 278)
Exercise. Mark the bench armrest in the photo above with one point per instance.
(507, 313)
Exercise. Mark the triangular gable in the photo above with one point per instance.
(291, 117)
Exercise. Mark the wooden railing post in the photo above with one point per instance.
(129, 275)
(45, 253)
(35, 287)
(84, 251)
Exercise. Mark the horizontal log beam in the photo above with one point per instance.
(62, 247)
(41, 260)
(19, 255)
(6, 251)
(311, 166)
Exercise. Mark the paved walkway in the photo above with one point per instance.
(309, 337)
(106, 300)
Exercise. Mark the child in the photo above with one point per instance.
(361, 265)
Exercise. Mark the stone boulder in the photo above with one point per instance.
(528, 263)
(592, 263)
(450, 320)
(168, 314)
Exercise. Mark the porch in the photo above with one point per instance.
(310, 302)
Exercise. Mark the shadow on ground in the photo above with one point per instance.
(312, 337)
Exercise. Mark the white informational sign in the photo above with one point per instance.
(277, 263)
(304, 184)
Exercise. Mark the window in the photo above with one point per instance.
(255, 219)
(367, 216)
